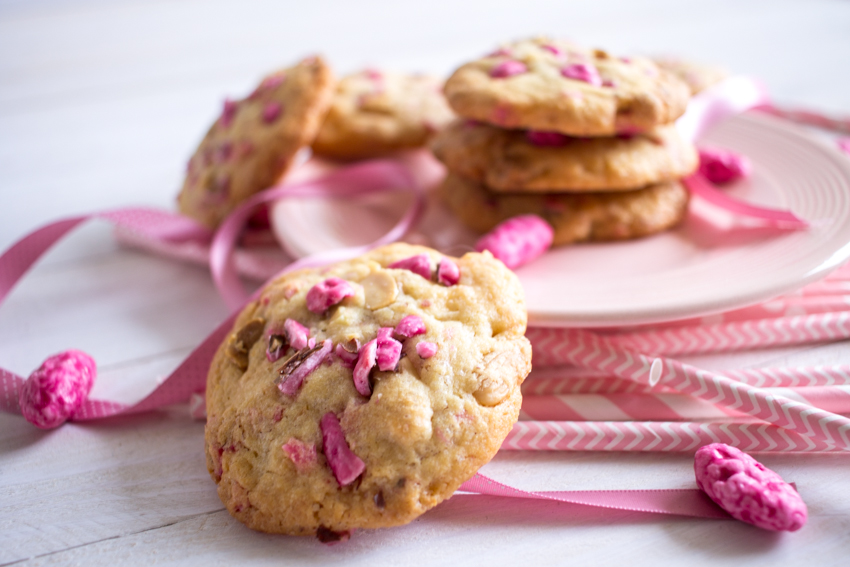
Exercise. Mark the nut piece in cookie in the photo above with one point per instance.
(374, 113)
(370, 408)
(575, 217)
(554, 85)
(534, 161)
(254, 141)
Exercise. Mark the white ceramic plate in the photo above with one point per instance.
(711, 263)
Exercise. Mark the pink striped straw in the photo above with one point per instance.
(574, 380)
(664, 406)
(588, 350)
(656, 436)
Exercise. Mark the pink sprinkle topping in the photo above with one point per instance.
(539, 138)
(425, 349)
(410, 326)
(271, 111)
(296, 334)
(345, 465)
(348, 359)
(448, 274)
(366, 359)
(508, 68)
(327, 293)
(388, 350)
(57, 388)
(292, 381)
(582, 72)
(228, 112)
(748, 490)
(551, 49)
(302, 455)
(419, 264)
(723, 166)
(518, 240)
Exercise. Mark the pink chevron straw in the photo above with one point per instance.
(589, 350)
(656, 436)
(664, 406)
(573, 380)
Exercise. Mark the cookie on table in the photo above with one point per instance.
(363, 394)
(552, 85)
(698, 76)
(575, 217)
(532, 161)
(374, 113)
(255, 140)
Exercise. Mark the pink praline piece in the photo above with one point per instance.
(328, 293)
(426, 349)
(345, 465)
(748, 490)
(228, 112)
(303, 455)
(410, 326)
(582, 72)
(448, 274)
(51, 394)
(271, 112)
(508, 68)
(551, 139)
(296, 334)
(723, 166)
(292, 383)
(388, 350)
(419, 264)
(366, 359)
(518, 240)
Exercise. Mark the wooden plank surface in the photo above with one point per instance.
(101, 103)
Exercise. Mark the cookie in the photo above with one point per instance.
(374, 113)
(698, 76)
(255, 140)
(518, 160)
(575, 217)
(363, 394)
(550, 85)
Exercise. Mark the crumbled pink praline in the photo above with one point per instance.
(582, 72)
(327, 293)
(748, 490)
(448, 274)
(366, 359)
(57, 388)
(296, 334)
(271, 111)
(228, 112)
(303, 455)
(723, 166)
(292, 383)
(540, 138)
(410, 326)
(388, 350)
(501, 52)
(551, 49)
(426, 349)
(508, 68)
(345, 465)
(518, 240)
(348, 359)
(419, 264)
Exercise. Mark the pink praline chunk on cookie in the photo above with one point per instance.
(328, 293)
(388, 351)
(303, 455)
(508, 68)
(448, 274)
(426, 349)
(518, 240)
(366, 360)
(582, 72)
(345, 465)
(410, 326)
(290, 385)
(57, 389)
(419, 264)
(228, 112)
(748, 490)
(540, 138)
(271, 112)
(296, 334)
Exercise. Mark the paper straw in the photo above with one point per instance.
(654, 436)
(664, 406)
(588, 350)
(574, 380)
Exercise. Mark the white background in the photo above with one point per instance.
(101, 103)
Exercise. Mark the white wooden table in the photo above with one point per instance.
(101, 102)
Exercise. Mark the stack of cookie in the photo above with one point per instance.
(582, 139)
